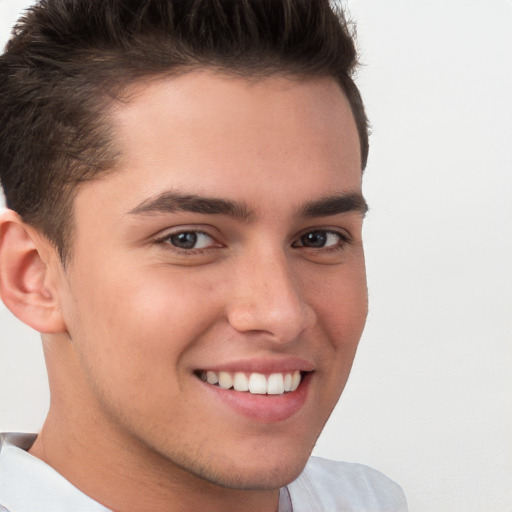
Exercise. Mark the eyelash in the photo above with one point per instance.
(166, 241)
(344, 240)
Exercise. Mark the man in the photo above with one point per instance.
(184, 228)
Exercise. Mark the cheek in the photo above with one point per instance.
(341, 319)
(343, 306)
(137, 322)
(129, 336)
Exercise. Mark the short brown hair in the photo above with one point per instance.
(68, 59)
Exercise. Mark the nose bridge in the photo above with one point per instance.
(268, 298)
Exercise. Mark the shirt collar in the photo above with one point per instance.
(28, 484)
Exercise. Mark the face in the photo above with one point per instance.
(224, 251)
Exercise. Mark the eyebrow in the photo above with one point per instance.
(335, 205)
(170, 202)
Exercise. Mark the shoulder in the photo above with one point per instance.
(330, 486)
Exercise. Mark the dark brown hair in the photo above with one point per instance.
(68, 59)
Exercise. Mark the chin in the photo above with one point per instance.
(257, 474)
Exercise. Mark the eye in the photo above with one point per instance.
(320, 239)
(190, 240)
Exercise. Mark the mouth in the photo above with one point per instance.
(254, 383)
(264, 391)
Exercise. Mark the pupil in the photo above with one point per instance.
(314, 239)
(184, 240)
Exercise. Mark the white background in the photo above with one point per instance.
(429, 400)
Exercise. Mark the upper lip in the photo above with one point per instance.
(263, 365)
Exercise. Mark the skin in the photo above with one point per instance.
(132, 318)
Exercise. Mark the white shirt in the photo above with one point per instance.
(27, 484)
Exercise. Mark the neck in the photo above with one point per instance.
(115, 468)
(132, 479)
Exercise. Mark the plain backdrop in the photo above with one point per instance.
(429, 399)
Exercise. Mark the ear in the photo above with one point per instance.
(29, 268)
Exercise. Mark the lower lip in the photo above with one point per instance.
(263, 408)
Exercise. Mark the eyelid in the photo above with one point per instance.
(186, 228)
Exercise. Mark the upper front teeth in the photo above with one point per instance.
(256, 383)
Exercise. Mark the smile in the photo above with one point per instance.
(254, 383)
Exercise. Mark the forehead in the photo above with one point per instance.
(215, 134)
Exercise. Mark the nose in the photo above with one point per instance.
(269, 299)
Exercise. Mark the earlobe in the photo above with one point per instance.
(26, 280)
